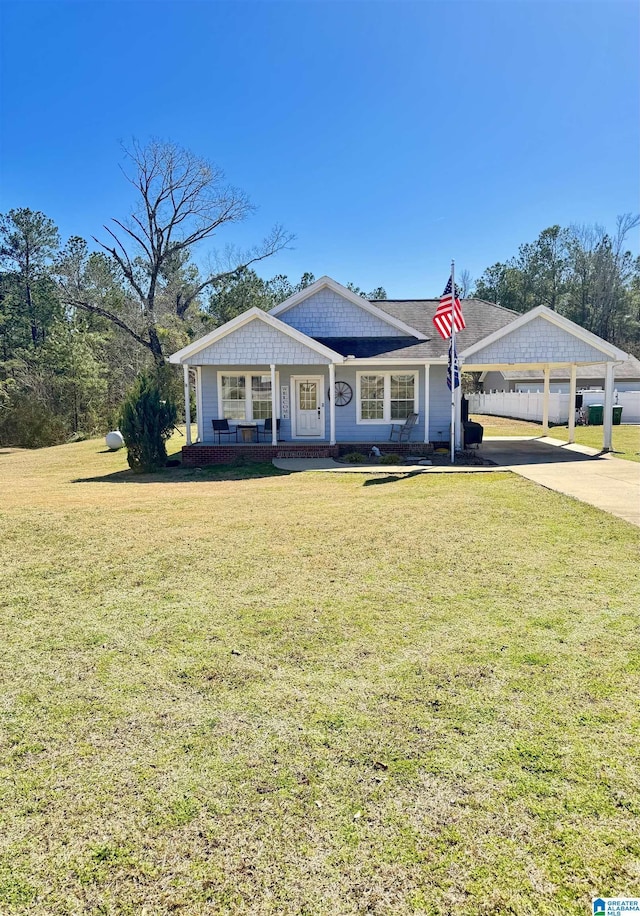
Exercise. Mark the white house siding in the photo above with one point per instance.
(536, 342)
(347, 429)
(258, 343)
(326, 314)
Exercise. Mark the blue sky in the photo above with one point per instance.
(388, 136)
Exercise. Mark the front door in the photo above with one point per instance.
(309, 407)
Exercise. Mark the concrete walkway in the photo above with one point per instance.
(601, 480)
(328, 464)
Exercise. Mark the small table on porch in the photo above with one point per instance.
(247, 431)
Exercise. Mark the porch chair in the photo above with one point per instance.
(222, 428)
(403, 430)
(267, 430)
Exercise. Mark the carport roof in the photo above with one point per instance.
(629, 369)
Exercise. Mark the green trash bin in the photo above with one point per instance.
(596, 414)
(617, 415)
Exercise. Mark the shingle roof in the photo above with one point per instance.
(482, 318)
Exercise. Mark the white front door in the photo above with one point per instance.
(309, 407)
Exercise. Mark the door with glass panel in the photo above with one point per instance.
(309, 407)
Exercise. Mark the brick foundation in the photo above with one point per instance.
(200, 455)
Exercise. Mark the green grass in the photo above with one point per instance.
(243, 692)
(625, 438)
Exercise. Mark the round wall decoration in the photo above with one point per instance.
(343, 393)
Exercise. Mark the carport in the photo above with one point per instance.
(542, 339)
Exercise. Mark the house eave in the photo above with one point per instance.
(541, 311)
(187, 354)
(353, 298)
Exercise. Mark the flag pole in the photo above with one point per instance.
(452, 364)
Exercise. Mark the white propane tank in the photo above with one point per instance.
(114, 440)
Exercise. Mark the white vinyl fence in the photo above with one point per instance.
(527, 405)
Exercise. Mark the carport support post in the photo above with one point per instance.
(572, 404)
(608, 407)
(187, 402)
(332, 404)
(274, 404)
(545, 401)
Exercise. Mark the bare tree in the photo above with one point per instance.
(464, 282)
(182, 200)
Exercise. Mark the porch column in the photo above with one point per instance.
(187, 402)
(545, 401)
(332, 404)
(427, 367)
(608, 408)
(274, 405)
(199, 416)
(572, 403)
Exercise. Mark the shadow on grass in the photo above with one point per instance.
(238, 470)
(391, 478)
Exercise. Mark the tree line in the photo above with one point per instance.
(583, 272)
(80, 321)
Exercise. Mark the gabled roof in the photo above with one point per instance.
(482, 318)
(373, 308)
(252, 314)
(541, 311)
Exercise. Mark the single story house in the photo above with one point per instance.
(335, 369)
(627, 378)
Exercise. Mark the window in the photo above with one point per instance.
(372, 397)
(244, 397)
(386, 397)
(261, 396)
(402, 396)
(308, 395)
(234, 397)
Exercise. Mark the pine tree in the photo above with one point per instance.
(148, 416)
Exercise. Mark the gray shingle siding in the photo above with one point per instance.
(536, 342)
(260, 344)
(326, 314)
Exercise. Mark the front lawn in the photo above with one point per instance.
(625, 438)
(231, 693)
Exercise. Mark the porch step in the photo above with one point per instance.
(317, 451)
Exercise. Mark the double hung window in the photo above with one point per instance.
(386, 397)
(244, 396)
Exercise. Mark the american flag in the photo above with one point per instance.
(442, 317)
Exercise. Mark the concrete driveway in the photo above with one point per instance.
(609, 483)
